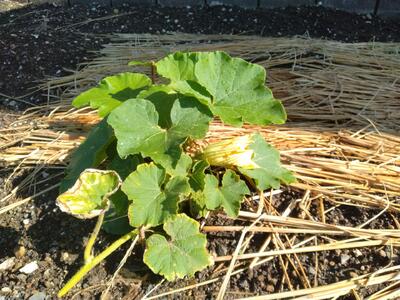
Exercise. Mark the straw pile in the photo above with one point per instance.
(342, 141)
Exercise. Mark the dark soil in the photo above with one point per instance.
(50, 40)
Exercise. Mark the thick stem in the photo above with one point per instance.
(94, 262)
(88, 254)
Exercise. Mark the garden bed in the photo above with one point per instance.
(341, 141)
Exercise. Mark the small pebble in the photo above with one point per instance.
(344, 258)
(7, 264)
(353, 274)
(38, 296)
(29, 268)
(357, 253)
(65, 256)
(6, 290)
(382, 253)
(270, 288)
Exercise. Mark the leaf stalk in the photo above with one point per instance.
(95, 261)
(88, 253)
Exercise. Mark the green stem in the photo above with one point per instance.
(94, 262)
(88, 254)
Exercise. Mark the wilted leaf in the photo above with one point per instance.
(229, 196)
(183, 254)
(112, 91)
(89, 197)
(154, 198)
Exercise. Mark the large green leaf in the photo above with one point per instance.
(89, 197)
(136, 126)
(269, 172)
(233, 88)
(112, 91)
(183, 254)
(89, 154)
(153, 199)
(135, 123)
(229, 196)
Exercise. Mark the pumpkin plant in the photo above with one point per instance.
(146, 181)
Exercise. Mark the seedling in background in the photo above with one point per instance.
(150, 178)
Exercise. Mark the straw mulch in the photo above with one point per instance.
(342, 141)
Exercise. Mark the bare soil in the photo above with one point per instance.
(49, 40)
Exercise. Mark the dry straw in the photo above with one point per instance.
(342, 141)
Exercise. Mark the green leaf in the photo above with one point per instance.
(153, 199)
(178, 66)
(116, 219)
(238, 90)
(183, 254)
(89, 154)
(124, 166)
(189, 118)
(197, 176)
(112, 91)
(89, 197)
(229, 196)
(270, 171)
(233, 88)
(163, 98)
(135, 123)
(139, 63)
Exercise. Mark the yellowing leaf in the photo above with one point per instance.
(89, 197)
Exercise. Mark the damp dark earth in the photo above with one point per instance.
(41, 247)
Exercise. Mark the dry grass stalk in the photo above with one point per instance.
(337, 289)
(351, 167)
(347, 84)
